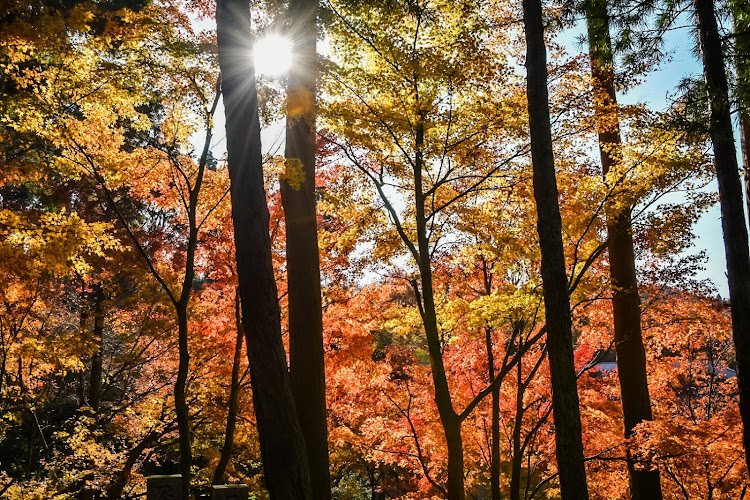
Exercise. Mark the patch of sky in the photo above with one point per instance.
(657, 89)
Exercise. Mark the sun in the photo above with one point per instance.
(272, 55)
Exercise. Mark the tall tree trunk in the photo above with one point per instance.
(234, 398)
(495, 423)
(730, 197)
(517, 459)
(95, 378)
(567, 418)
(95, 385)
(745, 147)
(180, 400)
(117, 486)
(181, 302)
(448, 417)
(181, 309)
(631, 355)
(282, 446)
(306, 359)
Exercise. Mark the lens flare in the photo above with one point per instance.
(272, 55)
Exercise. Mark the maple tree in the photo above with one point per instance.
(741, 48)
(426, 121)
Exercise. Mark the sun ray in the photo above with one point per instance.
(272, 55)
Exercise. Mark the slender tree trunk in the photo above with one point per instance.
(180, 401)
(234, 398)
(448, 417)
(181, 309)
(306, 360)
(180, 303)
(517, 460)
(745, 147)
(730, 196)
(569, 449)
(282, 446)
(626, 304)
(495, 423)
(95, 385)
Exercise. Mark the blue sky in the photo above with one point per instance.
(655, 90)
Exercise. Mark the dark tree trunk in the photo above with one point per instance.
(631, 355)
(495, 423)
(455, 445)
(180, 400)
(730, 196)
(567, 418)
(448, 417)
(517, 459)
(282, 446)
(181, 309)
(745, 147)
(234, 398)
(306, 360)
(95, 385)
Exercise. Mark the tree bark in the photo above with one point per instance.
(745, 147)
(517, 459)
(631, 355)
(730, 197)
(495, 423)
(282, 446)
(306, 357)
(117, 486)
(180, 401)
(234, 398)
(180, 302)
(448, 417)
(569, 448)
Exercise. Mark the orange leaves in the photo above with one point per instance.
(698, 460)
(694, 438)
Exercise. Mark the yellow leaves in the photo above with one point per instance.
(80, 17)
(294, 173)
(403, 321)
(57, 240)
